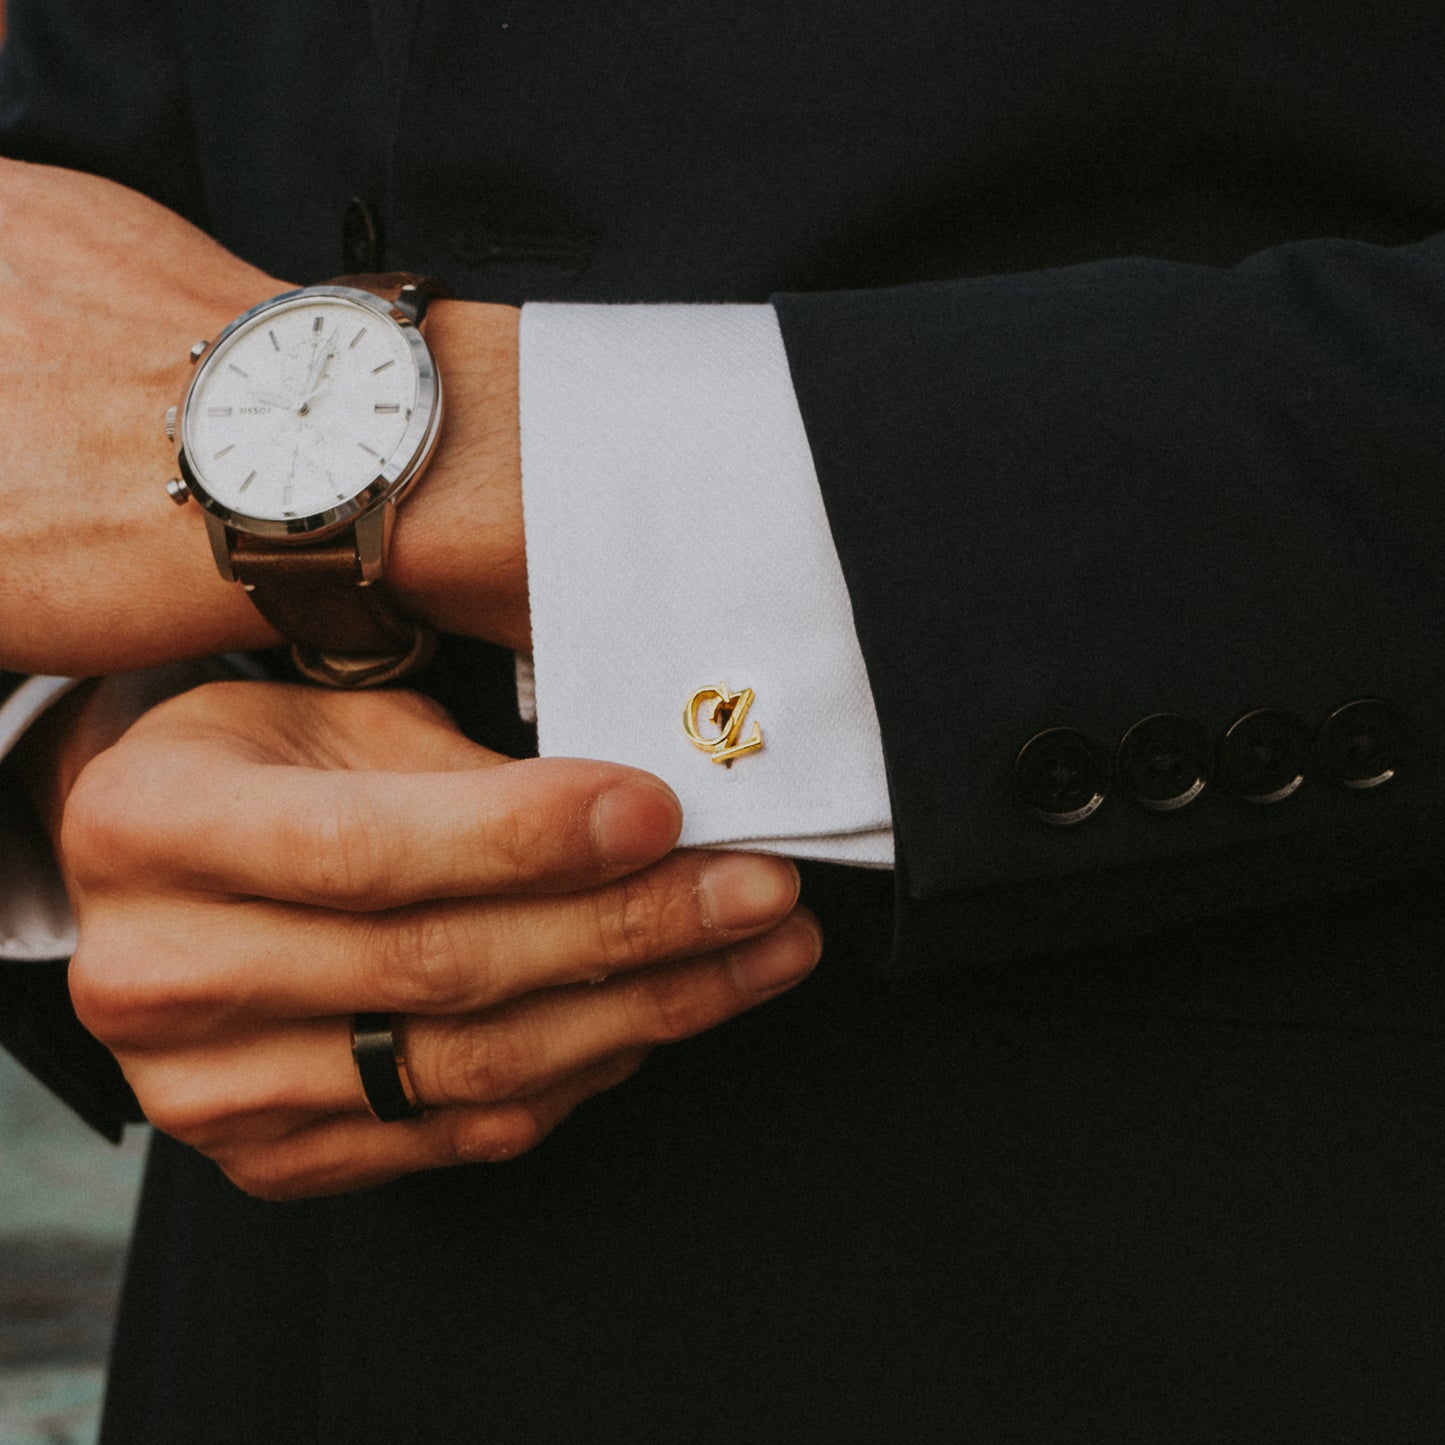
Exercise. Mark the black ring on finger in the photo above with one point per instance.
(381, 1066)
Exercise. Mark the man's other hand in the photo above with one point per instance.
(253, 864)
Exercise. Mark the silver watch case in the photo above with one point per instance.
(371, 509)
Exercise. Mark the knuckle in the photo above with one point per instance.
(339, 849)
(668, 1006)
(628, 922)
(515, 840)
(486, 1065)
(191, 1119)
(116, 1001)
(99, 993)
(420, 960)
(129, 990)
(99, 831)
(181, 1119)
(202, 1106)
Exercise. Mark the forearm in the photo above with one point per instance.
(109, 292)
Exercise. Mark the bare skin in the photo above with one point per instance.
(109, 290)
(252, 863)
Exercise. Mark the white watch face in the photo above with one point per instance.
(302, 406)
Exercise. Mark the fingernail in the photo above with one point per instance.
(787, 954)
(636, 821)
(744, 890)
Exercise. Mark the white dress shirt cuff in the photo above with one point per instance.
(676, 541)
(35, 919)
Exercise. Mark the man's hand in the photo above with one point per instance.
(106, 291)
(253, 864)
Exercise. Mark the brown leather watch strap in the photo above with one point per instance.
(343, 632)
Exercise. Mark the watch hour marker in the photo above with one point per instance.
(276, 345)
(356, 339)
(248, 481)
(389, 408)
(367, 449)
(218, 411)
(217, 457)
(231, 366)
(382, 367)
(317, 322)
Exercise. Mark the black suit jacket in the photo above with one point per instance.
(1117, 330)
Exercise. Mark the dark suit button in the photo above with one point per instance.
(1363, 743)
(1062, 776)
(1164, 762)
(1263, 756)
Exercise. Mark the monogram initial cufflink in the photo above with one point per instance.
(727, 711)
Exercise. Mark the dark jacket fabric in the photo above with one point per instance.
(1118, 330)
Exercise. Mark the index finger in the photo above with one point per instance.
(363, 840)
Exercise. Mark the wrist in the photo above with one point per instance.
(458, 557)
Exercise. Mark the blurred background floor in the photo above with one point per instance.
(66, 1199)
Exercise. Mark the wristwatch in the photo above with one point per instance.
(304, 425)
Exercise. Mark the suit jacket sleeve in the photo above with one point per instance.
(1084, 496)
(101, 88)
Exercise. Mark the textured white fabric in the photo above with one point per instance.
(676, 539)
(35, 920)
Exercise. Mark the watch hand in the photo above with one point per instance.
(319, 359)
(323, 385)
(269, 398)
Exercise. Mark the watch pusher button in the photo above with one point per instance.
(198, 351)
(171, 423)
(178, 491)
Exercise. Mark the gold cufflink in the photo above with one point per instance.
(728, 713)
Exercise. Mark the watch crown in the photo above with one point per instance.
(170, 423)
(178, 491)
(198, 351)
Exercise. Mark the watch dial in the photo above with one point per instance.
(300, 408)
